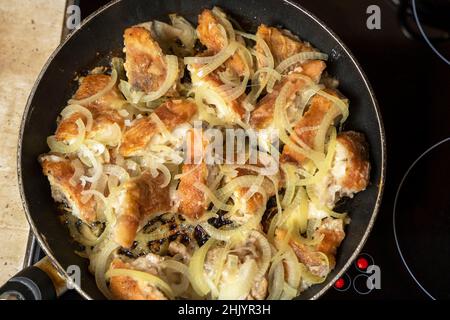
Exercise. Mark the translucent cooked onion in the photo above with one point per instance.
(325, 165)
(96, 165)
(222, 17)
(78, 172)
(232, 93)
(117, 171)
(258, 85)
(182, 270)
(219, 266)
(248, 57)
(246, 35)
(320, 206)
(291, 182)
(110, 137)
(166, 173)
(280, 119)
(217, 60)
(188, 35)
(84, 238)
(212, 197)
(74, 108)
(246, 181)
(228, 78)
(100, 262)
(216, 117)
(133, 96)
(270, 62)
(306, 96)
(144, 277)
(165, 32)
(100, 184)
(197, 270)
(73, 146)
(294, 271)
(343, 106)
(300, 58)
(236, 233)
(171, 77)
(311, 278)
(112, 82)
(324, 127)
(241, 284)
(162, 127)
(266, 254)
(162, 232)
(288, 292)
(276, 281)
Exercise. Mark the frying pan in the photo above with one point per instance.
(99, 38)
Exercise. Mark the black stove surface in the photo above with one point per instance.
(411, 83)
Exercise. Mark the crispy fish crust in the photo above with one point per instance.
(139, 198)
(282, 45)
(333, 233)
(262, 116)
(103, 110)
(211, 36)
(356, 155)
(319, 107)
(192, 201)
(172, 113)
(145, 64)
(126, 288)
(59, 172)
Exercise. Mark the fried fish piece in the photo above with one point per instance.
(262, 116)
(213, 38)
(192, 201)
(332, 231)
(172, 113)
(313, 117)
(246, 252)
(127, 288)
(59, 171)
(106, 119)
(138, 199)
(282, 45)
(350, 170)
(145, 63)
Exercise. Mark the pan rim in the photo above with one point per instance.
(298, 7)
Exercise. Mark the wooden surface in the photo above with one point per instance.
(29, 32)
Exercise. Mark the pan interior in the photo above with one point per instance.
(101, 37)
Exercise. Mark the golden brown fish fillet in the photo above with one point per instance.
(59, 172)
(193, 202)
(145, 63)
(103, 110)
(254, 203)
(210, 35)
(262, 116)
(283, 45)
(94, 83)
(318, 108)
(139, 198)
(333, 233)
(126, 288)
(171, 113)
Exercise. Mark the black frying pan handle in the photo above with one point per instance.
(39, 282)
(29, 284)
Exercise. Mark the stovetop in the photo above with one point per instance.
(411, 82)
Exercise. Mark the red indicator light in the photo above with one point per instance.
(340, 283)
(362, 263)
